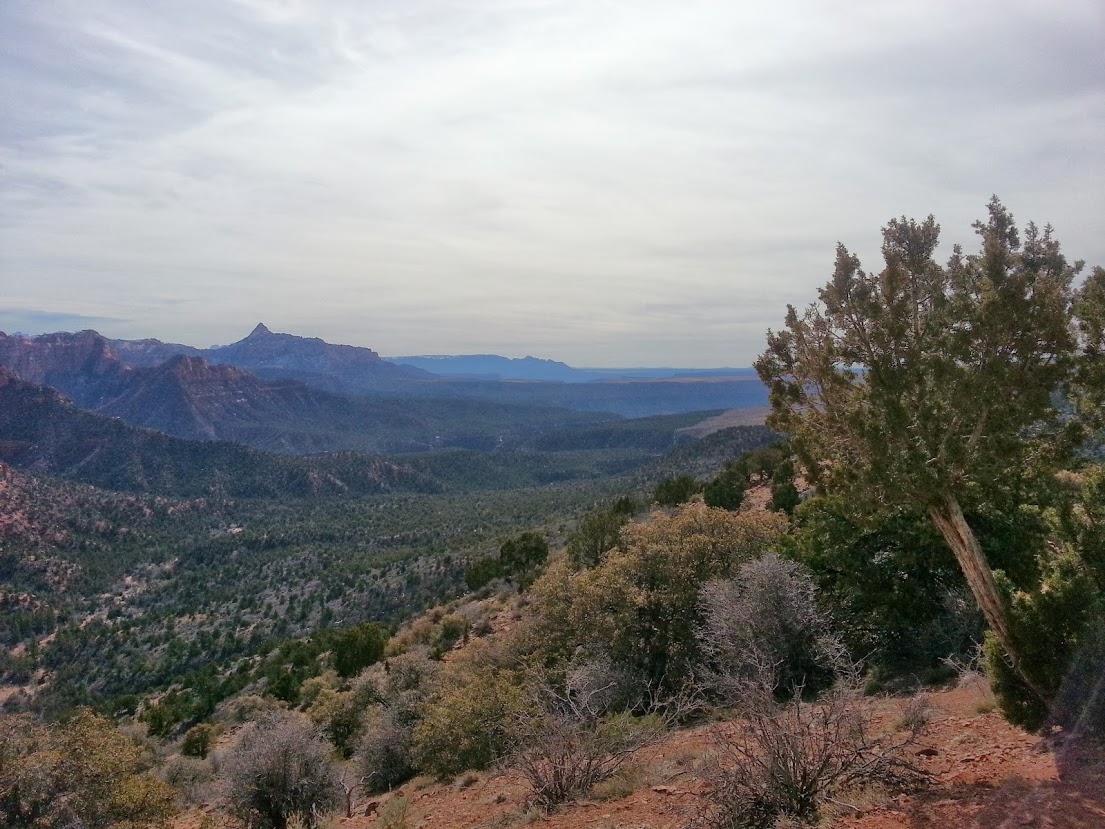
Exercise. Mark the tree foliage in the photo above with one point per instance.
(80, 773)
(639, 605)
(930, 386)
(675, 490)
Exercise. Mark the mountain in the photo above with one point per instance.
(323, 365)
(342, 368)
(495, 367)
(147, 353)
(42, 432)
(83, 366)
(191, 398)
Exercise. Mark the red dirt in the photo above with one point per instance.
(986, 773)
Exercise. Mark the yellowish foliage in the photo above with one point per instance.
(84, 772)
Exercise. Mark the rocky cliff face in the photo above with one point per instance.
(190, 398)
(147, 353)
(36, 359)
(83, 366)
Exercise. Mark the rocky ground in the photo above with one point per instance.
(985, 774)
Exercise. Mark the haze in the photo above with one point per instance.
(605, 183)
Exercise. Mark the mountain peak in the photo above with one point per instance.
(259, 330)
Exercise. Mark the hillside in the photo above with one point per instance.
(43, 433)
(986, 774)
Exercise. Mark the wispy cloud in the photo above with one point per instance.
(602, 182)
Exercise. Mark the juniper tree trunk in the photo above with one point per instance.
(948, 519)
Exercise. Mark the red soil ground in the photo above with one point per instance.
(986, 774)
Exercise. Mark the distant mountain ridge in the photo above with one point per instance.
(496, 367)
(94, 373)
(188, 397)
(483, 367)
(340, 368)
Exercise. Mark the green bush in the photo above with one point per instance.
(898, 598)
(726, 491)
(198, 740)
(597, 534)
(482, 572)
(354, 649)
(1055, 628)
(523, 552)
(784, 494)
(465, 724)
(677, 490)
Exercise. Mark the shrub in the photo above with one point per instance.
(188, 775)
(764, 627)
(786, 760)
(337, 713)
(450, 630)
(354, 649)
(280, 769)
(567, 739)
(465, 722)
(639, 606)
(673, 491)
(81, 773)
(198, 740)
(384, 755)
(482, 572)
(784, 494)
(726, 491)
(899, 601)
(523, 552)
(597, 534)
(396, 692)
(396, 814)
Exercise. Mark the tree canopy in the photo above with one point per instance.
(930, 385)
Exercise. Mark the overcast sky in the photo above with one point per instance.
(602, 182)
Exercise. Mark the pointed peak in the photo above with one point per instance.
(259, 330)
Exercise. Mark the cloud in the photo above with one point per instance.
(605, 182)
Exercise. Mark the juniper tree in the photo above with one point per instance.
(928, 385)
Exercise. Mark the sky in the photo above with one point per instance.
(602, 182)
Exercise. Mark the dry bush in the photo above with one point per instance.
(764, 627)
(384, 757)
(188, 775)
(280, 769)
(916, 714)
(787, 760)
(395, 814)
(569, 739)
